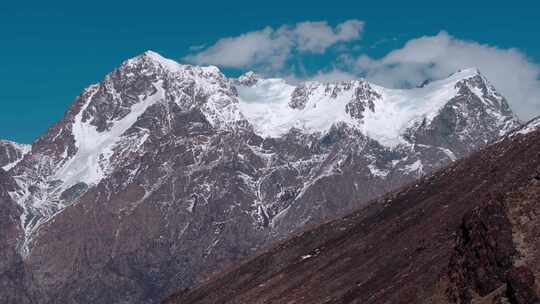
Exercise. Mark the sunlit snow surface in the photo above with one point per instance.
(266, 106)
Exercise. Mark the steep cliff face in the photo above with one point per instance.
(163, 174)
(466, 234)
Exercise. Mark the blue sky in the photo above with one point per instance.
(50, 51)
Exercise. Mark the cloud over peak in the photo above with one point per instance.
(435, 57)
(280, 52)
(271, 48)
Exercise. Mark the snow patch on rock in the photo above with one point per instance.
(22, 148)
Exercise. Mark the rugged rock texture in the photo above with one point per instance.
(159, 176)
(467, 234)
(248, 79)
(13, 277)
(521, 287)
(484, 252)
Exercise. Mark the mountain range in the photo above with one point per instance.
(164, 174)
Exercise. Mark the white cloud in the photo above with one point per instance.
(196, 48)
(270, 52)
(316, 37)
(271, 48)
(433, 57)
(266, 46)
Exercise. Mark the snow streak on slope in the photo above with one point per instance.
(22, 148)
(94, 148)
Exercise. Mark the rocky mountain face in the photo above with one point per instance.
(466, 234)
(11, 153)
(163, 174)
(13, 277)
(12, 273)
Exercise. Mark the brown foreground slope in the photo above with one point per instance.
(468, 234)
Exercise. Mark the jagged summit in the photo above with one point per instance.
(466, 72)
(248, 79)
(169, 64)
(156, 57)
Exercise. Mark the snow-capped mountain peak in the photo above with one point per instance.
(163, 160)
(171, 65)
(113, 119)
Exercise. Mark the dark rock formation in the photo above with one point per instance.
(484, 252)
(13, 277)
(467, 234)
(521, 287)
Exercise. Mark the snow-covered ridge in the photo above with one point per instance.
(385, 113)
(273, 106)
